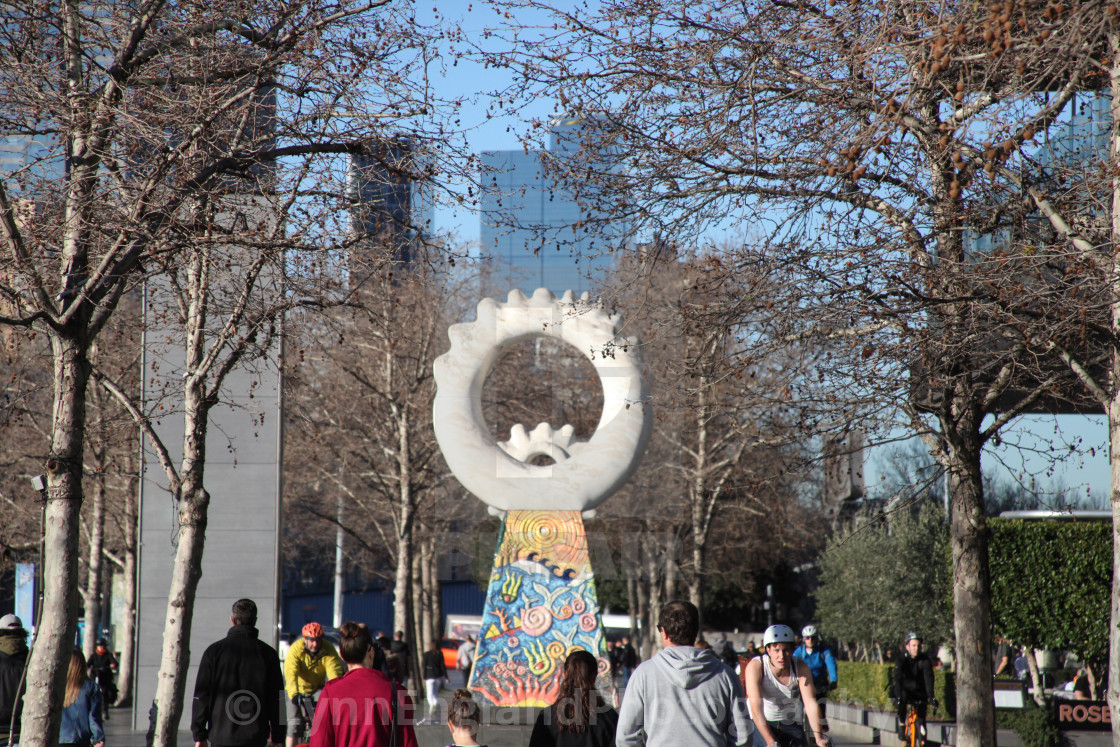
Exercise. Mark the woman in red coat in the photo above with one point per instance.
(353, 709)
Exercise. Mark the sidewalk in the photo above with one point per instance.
(119, 735)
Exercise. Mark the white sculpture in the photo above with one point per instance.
(583, 474)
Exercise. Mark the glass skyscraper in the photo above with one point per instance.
(389, 209)
(532, 227)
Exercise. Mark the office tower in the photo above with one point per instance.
(532, 227)
(391, 210)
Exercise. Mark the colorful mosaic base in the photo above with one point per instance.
(541, 605)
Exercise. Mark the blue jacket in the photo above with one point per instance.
(821, 664)
(81, 720)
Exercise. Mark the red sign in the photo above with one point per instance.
(1083, 715)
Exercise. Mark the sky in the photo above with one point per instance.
(1026, 454)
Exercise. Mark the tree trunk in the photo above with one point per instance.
(434, 592)
(971, 581)
(1114, 402)
(128, 633)
(1113, 696)
(1036, 680)
(642, 641)
(696, 583)
(632, 604)
(654, 609)
(94, 578)
(172, 678)
(54, 638)
(697, 496)
(669, 562)
(194, 503)
(418, 634)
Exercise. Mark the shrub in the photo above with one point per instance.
(1034, 725)
(1051, 582)
(869, 684)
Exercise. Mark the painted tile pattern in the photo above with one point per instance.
(541, 605)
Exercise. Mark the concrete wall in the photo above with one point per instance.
(241, 556)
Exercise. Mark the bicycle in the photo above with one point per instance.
(305, 714)
(914, 727)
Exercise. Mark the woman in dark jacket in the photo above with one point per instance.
(579, 717)
(435, 672)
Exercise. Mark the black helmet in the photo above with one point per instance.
(102, 642)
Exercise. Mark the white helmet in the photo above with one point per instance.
(809, 631)
(778, 634)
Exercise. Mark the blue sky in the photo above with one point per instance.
(1029, 449)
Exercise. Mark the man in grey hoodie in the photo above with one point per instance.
(684, 695)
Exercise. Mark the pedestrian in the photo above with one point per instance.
(614, 658)
(81, 707)
(464, 719)
(392, 666)
(102, 667)
(727, 654)
(781, 695)
(464, 660)
(435, 672)
(399, 647)
(238, 687)
(1001, 657)
(579, 717)
(13, 660)
(629, 660)
(363, 707)
(684, 695)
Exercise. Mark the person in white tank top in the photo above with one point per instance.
(780, 694)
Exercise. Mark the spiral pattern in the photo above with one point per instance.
(556, 535)
(604, 665)
(564, 612)
(579, 606)
(513, 641)
(588, 623)
(536, 620)
(555, 650)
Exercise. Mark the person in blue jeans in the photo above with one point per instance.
(81, 715)
(821, 662)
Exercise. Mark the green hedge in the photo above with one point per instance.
(864, 683)
(1051, 582)
(869, 685)
(1034, 725)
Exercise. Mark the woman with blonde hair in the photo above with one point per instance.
(579, 717)
(81, 717)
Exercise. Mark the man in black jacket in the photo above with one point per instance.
(913, 682)
(238, 690)
(13, 658)
(102, 666)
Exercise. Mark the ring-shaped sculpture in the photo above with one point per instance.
(595, 469)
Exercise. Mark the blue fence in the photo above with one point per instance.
(374, 607)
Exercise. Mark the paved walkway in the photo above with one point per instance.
(118, 734)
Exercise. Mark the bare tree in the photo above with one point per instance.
(142, 122)
(361, 399)
(874, 146)
(729, 444)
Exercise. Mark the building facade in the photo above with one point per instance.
(534, 230)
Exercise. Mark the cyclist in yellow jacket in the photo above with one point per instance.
(310, 663)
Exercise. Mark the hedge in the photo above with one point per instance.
(1051, 582)
(869, 684)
